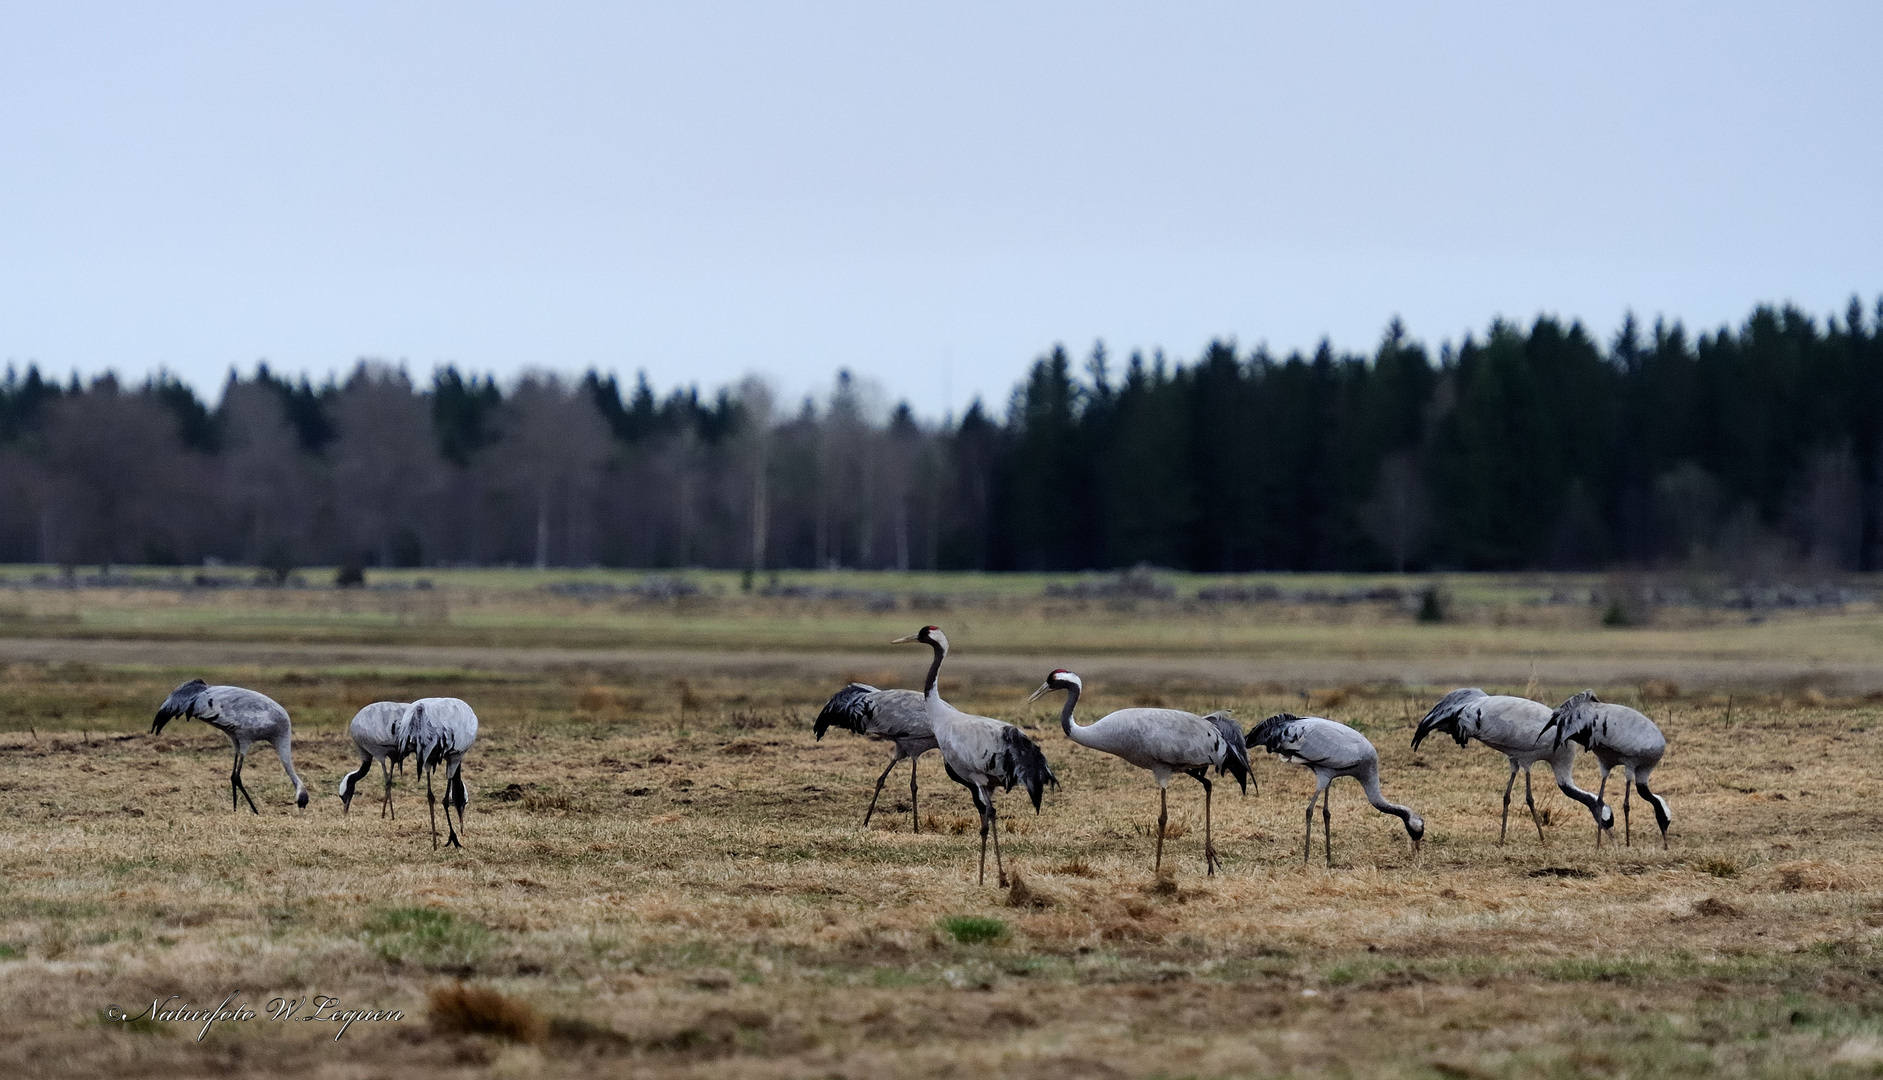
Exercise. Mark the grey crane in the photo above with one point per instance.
(1331, 749)
(1164, 741)
(1514, 727)
(247, 718)
(1616, 735)
(371, 729)
(438, 730)
(980, 753)
(899, 717)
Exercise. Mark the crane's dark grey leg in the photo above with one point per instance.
(235, 782)
(1163, 816)
(431, 804)
(1504, 825)
(1627, 837)
(1530, 801)
(915, 811)
(1327, 832)
(1307, 838)
(385, 807)
(993, 819)
(879, 791)
(1210, 861)
(452, 784)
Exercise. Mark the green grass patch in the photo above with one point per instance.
(427, 937)
(973, 929)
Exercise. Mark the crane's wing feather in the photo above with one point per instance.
(179, 703)
(1446, 716)
(848, 708)
(1236, 761)
(1024, 763)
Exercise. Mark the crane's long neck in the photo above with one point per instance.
(1075, 732)
(931, 686)
(1370, 780)
(285, 751)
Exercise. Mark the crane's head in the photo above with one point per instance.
(1415, 828)
(928, 635)
(1060, 679)
(177, 704)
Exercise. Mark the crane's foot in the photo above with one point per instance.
(1210, 861)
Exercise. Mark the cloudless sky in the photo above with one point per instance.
(929, 194)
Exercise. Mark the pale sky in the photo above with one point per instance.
(929, 194)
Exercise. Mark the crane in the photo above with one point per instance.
(439, 730)
(371, 729)
(1164, 741)
(1616, 735)
(1331, 749)
(899, 717)
(1514, 727)
(247, 718)
(980, 753)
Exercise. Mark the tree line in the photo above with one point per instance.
(1751, 449)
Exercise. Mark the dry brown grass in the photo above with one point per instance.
(685, 891)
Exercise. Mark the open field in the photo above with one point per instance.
(668, 872)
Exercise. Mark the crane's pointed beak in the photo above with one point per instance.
(1045, 688)
(905, 640)
(1417, 846)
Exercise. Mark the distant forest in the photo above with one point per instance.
(1752, 450)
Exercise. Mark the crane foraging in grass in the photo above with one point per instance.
(247, 718)
(980, 753)
(439, 730)
(1331, 749)
(899, 717)
(371, 729)
(1616, 735)
(1164, 741)
(1514, 727)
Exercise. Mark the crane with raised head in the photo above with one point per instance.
(1514, 727)
(1616, 735)
(980, 753)
(247, 718)
(1331, 750)
(1165, 742)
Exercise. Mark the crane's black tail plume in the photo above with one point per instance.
(177, 704)
(848, 708)
(1025, 765)
(1236, 762)
(1445, 717)
(1273, 733)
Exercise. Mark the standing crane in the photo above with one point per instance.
(980, 753)
(371, 729)
(247, 718)
(1514, 727)
(1165, 741)
(439, 730)
(1616, 735)
(1331, 749)
(899, 717)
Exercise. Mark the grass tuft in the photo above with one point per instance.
(478, 1010)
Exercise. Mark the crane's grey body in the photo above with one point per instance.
(371, 730)
(1165, 742)
(1514, 727)
(899, 717)
(1332, 750)
(438, 730)
(980, 753)
(247, 718)
(1616, 735)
